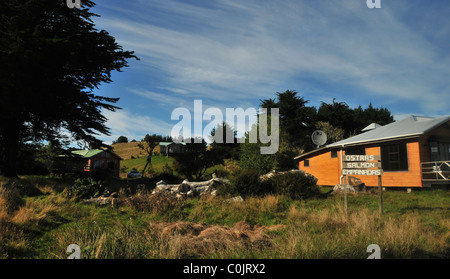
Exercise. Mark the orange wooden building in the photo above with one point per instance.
(415, 152)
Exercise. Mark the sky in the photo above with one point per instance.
(234, 53)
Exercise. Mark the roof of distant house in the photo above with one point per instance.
(169, 143)
(91, 153)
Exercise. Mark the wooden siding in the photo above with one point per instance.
(410, 178)
(328, 170)
(324, 168)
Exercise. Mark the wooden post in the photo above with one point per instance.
(380, 192)
(345, 194)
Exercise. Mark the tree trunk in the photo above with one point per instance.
(149, 162)
(9, 151)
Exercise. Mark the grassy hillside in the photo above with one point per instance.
(131, 149)
(136, 158)
(158, 163)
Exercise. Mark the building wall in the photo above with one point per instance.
(328, 170)
(100, 162)
(441, 131)
(324, 168)
(410, 178)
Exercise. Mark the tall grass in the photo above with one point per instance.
(330, 233)
(148, 226)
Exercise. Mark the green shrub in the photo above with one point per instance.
(294, 184)
(245, 183)
(222, 173)
(167, 169)
(85, 188)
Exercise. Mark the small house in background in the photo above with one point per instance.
(414, 152)
(171, 147)
(99, 162)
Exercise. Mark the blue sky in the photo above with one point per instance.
(231, 53)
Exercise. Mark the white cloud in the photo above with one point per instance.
(237, 51)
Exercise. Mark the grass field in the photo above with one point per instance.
(44, 223)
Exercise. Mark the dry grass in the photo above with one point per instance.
(32, 213)
(198, 240)
(331, 233)
(12, 239)
(158, 226)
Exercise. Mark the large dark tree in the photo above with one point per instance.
(369, 115)
(224, 148)
(340, 115)
(296, 118)
(52, 58)
(196, 158)
(352, 121)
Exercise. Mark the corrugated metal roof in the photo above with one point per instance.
(409, 127)
(169, 143)
(92, 153)
(372, 126)
(87, 153)
(165, 143)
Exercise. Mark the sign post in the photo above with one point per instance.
(363, 165)
(380, 195)
(345, 194)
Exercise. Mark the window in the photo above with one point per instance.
(306, 163)
(394, 157)
(355, 151)
(334, 154)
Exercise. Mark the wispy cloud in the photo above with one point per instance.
(233, 51)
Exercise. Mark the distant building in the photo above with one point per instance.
(171, 147)
(414, 152)
(96, 162)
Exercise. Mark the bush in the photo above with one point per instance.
(294, 184)
(86, 188)
(222, 173)
(246, 183)
(167, 169)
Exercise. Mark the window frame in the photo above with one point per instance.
(386, 154)
(306, 163)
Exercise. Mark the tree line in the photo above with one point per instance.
(298, 121)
